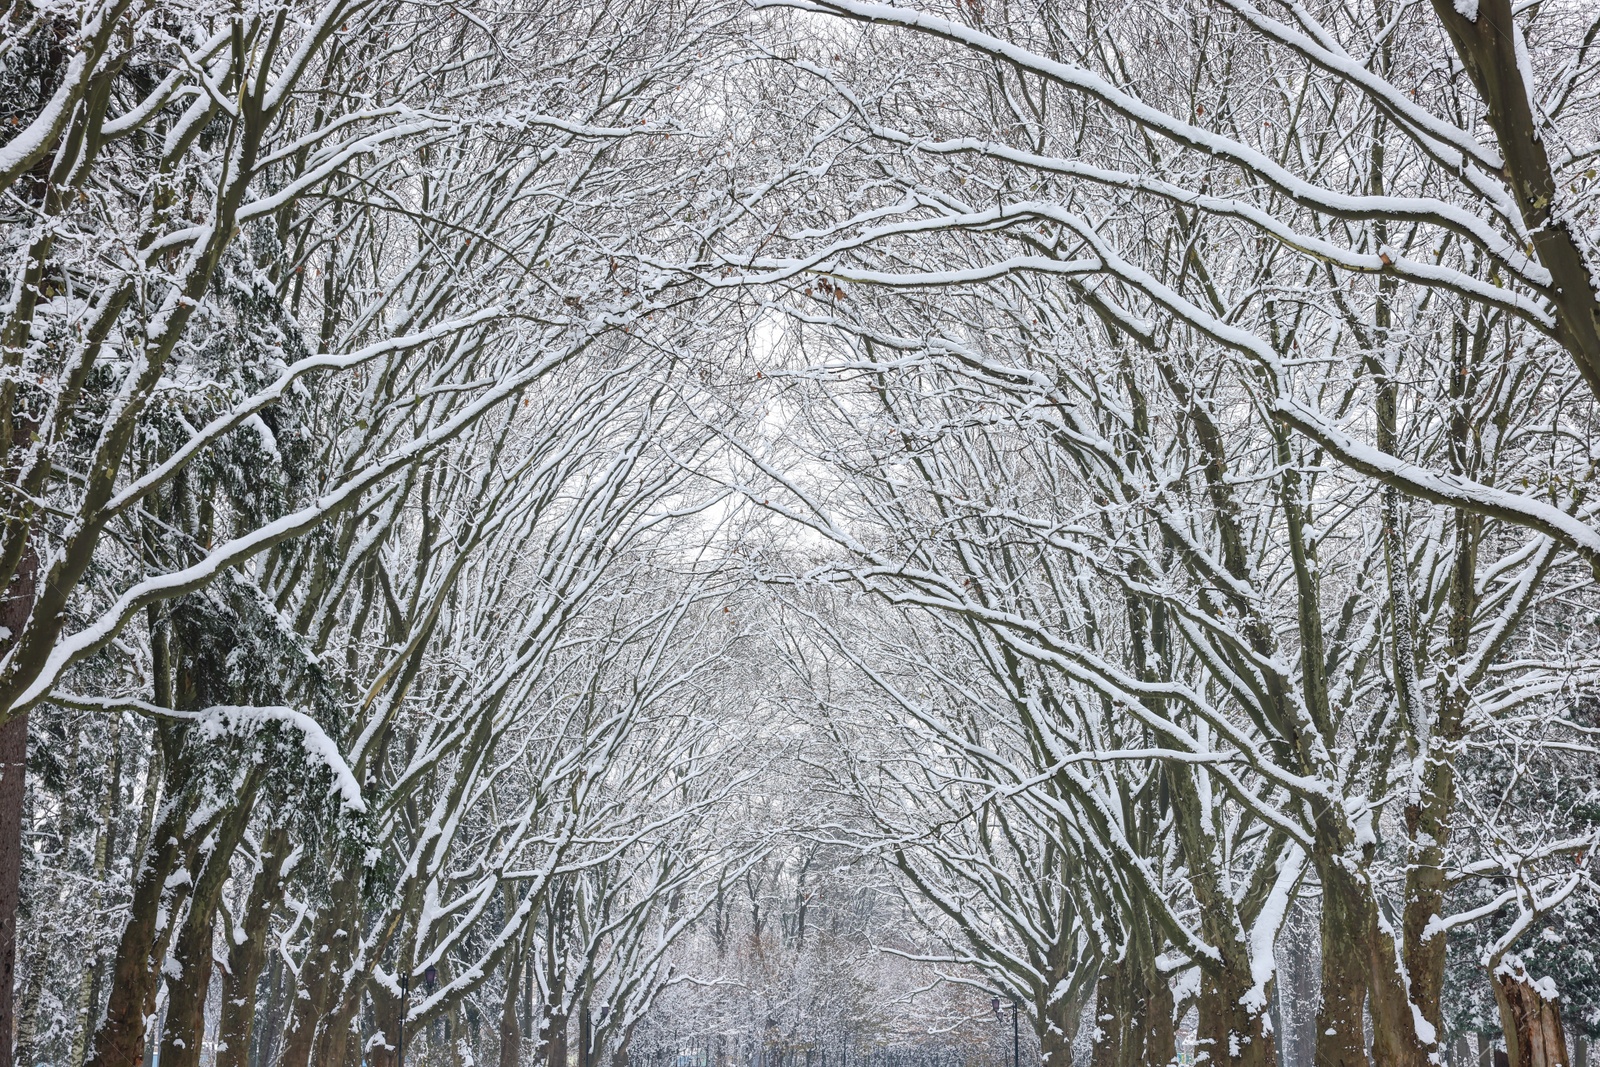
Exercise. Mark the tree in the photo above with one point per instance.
(1096, 310)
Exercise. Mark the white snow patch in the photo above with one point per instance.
(269, 442)
(1264, 934)
(235, 720)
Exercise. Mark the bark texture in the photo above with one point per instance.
(248, 955)
(510, 1030)
(14, 609)
(1133, 1017)
(189, 982)
(1230, 1032)
(157, 898)
(1530, 1015)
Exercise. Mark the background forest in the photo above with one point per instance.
(706, 533)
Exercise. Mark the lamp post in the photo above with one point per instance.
(1016, 1033)
(405, 999)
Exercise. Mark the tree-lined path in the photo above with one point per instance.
(709, 533)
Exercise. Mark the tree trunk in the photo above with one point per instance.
(344, 999)
(189, 982)
(510, 1030)
(13, 766)
(1395, 1036)
(1305, 1042)
(555, 1039)
(1341, 1025)
(1231, 1032)
(1055, 1038)
(1428, 817)
(1486, 40)
(1530, 1015)
(383, 1048)
(1161, 1024)
(104, 844)
(333, 1042)
(247, 956)
(527, 1004)
(14, 611)
(1361, 966)
(1109, 994)
(315, 1001)
(26, 1044)
(619, 1054)
(157, 897)
(263, 1052)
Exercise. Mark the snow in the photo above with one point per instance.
(1197, 137)
(1424, 1029)
(970, 518)
(269, 442)
(236, 721)
(1268, 924)
(39, 134)
(1511, 966)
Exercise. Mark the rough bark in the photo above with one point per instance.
(247, 955)
(189, 981)
(1133, 1016)
(1361, 967)
(1428, 818)
(1055, 1040)
(264, 1049)
(555, 1038)
(1395, 1039)
(14, 609)
(1530, 1015)
(384, 1046)
(319, 993)
(334, 1046)
(1229, 1031)
(26, 1043)
(333, 1041)
(1233, 1027)
(619, 1053)
(1110, 994)
(104, 845)
(13, 766)
(510, 1030)
(1161, 1024)
(1341, 1029)
(157, 897)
